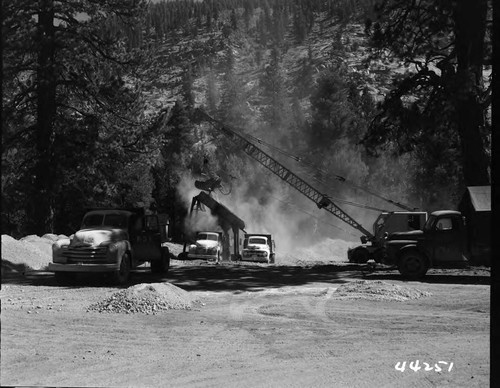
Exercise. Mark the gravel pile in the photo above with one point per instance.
(377, 290)
(30, 252)
(146, 298)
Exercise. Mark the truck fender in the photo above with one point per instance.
(123, 246)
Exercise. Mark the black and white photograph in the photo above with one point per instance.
(248, 193)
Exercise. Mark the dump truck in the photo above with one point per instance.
(111, 240)
(258, 247)
(207, 245)
(448, 239)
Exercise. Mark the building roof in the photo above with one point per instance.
(480, 197)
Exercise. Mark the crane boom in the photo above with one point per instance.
(320, 199)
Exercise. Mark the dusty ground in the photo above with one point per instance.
(254, 326)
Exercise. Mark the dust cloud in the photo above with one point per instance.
(200, 220)
(274, 208)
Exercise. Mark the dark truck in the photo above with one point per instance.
(447, 241)
(111, 241)
(385, 224)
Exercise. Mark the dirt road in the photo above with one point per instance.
(257, 326)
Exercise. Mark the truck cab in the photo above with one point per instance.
(207, 245)
(258, 247)
(440, 243)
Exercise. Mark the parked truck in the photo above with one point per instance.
(111, 241)
(445, 241)
(207, 245)
(258, 247)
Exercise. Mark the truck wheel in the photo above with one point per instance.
(65, 278)
(271, 259)
(161, 266)
(122, 276)
(360, 255)
(412, 265)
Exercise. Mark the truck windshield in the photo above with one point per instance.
(207, 236)
(257, 241)
(111, 220)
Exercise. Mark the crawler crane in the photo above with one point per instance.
(372, 243)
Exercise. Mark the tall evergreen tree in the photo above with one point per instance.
(272, 83)
(446, 42)
(74, 67)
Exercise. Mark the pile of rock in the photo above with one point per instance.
(30, 252)
(146, 298)
(378, 290)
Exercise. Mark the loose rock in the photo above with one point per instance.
(377, 290)
(146, 298)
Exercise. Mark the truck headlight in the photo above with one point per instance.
(58, 253)
(112, 252)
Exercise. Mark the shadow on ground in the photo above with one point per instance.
(435, 278)
(203, 277)
(232, 277)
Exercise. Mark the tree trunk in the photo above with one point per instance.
(470, 19)
(42, 206)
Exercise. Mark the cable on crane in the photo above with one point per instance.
(313, 177)
(322, 171)
(312, 215)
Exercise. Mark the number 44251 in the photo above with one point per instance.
(416, 366)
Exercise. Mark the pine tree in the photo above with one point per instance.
(76, 96)
(450, 37)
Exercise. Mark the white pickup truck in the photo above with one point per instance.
(258, 247)
(207, 245)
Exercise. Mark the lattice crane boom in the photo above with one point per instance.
(320, 199)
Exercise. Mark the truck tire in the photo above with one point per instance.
(271, 259)
(161, 266)
(122, 276)
(413, 265)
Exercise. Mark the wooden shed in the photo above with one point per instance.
(475, 206)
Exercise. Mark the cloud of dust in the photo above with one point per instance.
(271, 208)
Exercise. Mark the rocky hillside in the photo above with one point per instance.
(329, 43)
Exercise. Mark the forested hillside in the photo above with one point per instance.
(98, 100)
